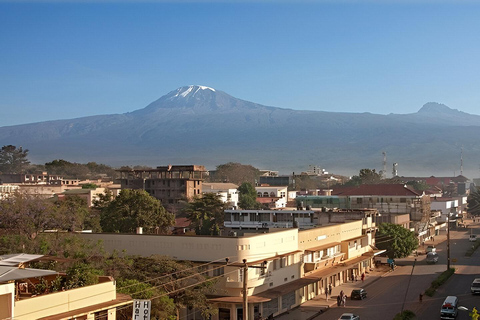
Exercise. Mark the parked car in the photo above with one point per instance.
(431, 249)
(475, 286)
(358, 294)
(432, 257)
(349, 316)
(472, 238)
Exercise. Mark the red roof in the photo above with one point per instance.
(267, 200)
(376, 190)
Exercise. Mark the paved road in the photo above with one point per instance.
(386, 296)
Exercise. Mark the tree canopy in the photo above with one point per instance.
(473, 203)
(236, 173)
(398, 241)
(132, 209)
(206, 214)
(77, 170)
(13, 159)
(365, 176)
(247, 197)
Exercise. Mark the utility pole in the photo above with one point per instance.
(245, 290)
(448, 241)
(245, 267)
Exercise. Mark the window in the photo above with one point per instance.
(218, 271)
(359, 200)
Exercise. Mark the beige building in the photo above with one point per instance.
(280, 269)
(169, 184)
(19, 299)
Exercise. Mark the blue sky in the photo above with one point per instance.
(66, 60)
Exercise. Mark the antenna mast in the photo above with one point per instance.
(384, 163)
(461, 162)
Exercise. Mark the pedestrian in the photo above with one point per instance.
(420, 297)
(326, 294)
(330, 289)
(344, 300)
(363, 277)
(339, 301)
(341, 294)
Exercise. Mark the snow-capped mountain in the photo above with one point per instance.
(203, 125)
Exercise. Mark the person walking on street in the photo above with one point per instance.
(326, 294)
(344, 300)
(330, 289)
(363, 277)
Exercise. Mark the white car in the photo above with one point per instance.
(472, 238)
(349, 316)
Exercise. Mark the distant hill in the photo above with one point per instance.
(201, 125)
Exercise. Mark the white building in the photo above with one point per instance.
(274, 196)
(228, 192)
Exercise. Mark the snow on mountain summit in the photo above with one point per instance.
(189, 91)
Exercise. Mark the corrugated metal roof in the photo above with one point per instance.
(17, 259)
(14, 273)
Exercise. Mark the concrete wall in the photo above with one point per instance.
(325, 235)
(7, 292)
(202, 248)
(59, 302)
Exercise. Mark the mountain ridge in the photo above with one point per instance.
(198, 123)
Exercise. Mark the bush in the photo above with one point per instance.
(472, 249)
(439, 281)
(405, 315)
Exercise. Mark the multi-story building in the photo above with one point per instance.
(280, 270)
(272, 196)
(228, 192)
(169, 184)
(31, 178)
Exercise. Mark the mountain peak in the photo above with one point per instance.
(434, 107)
(188, 91)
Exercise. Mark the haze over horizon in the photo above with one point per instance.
(75, 59)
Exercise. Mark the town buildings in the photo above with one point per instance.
(281, 268)
(169, 184)
(227, 192)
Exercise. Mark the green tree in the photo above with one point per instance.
(398, 241)
(135, 208)
(247, 197)
(177, 281)
(365, 176)
(236, 173)
(27, 215)
(473, 203)
(75, 214)
(13, 159)
(206, 214)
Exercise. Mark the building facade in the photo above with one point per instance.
(280, 269)
(169, 184)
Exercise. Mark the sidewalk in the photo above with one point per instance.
(319, 304)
